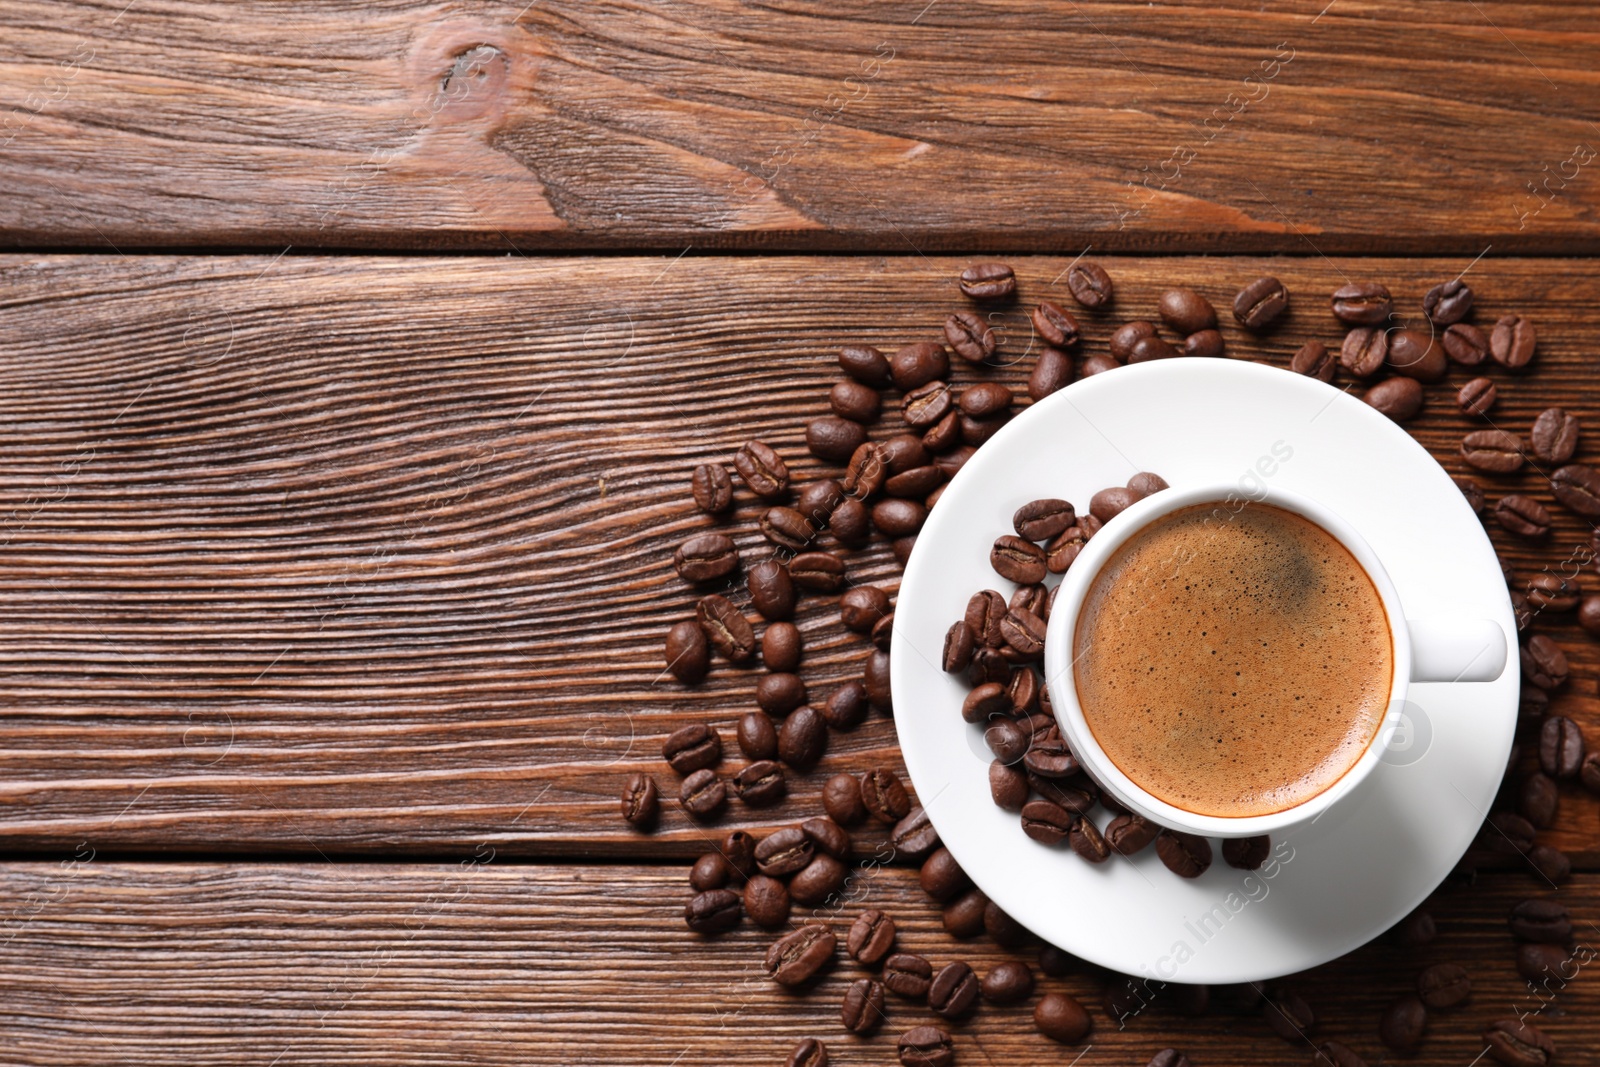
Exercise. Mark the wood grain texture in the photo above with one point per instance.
(311, 963)
(323, 556)
(1418, 127)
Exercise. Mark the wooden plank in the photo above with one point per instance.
(491, 964)
(1418, 127)
(340, 555)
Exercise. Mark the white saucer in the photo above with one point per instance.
(1338, 882)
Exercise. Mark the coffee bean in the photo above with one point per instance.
(1246, 853)
(1414, 354)
(864, 475)
(833, 438)
(798, 956)
(988, 665)
(713, 912)
(942, 877)
(861, 607)
(1089, 284)
(851, 524)
(1085, 839)
(926, 1046)
(808, 1053)
(739, 849)
(817, 571)
(1041, 520)
(898, 518)
(882, 632)
(1060, 552)
(875, 680)
(1362, 303)
(1531, 707)
(907, 975)
(802, 738)
(914, 836)
(771, 590)
(963, 917)
(884, 797)
(1398, 398)
(1023, 632)
(1312, 360)
(1518, 1043)
(1171, 1057)
(954, 460)
(1539, 963)
(828, 836)
(713, 488)
(763, 470)
(706, 557)
(1061, 1018)
(692, 747)
(1402, 1025)
(1444, 985)
(787, 528)
(1472, 492)
(976, 432)
(1002, 929)
(1206, 344)
(985, 701)
(1512, 342)
(1047, 823)
(1551, 592)
(846, 707)
(1538, 799)
(818, 880)
(989, 282)
(1049, 757)
(710, 871)
(1008, 786)
(1589, 773)
(969, 336)
(958, 648)
(780, 647)
(1007, 739)
(918, 364)
(1506, 833)
(760, 784)
(865, 364)
(1448, 302)
(985, 609)
(855, 401)
(1492, 450)
(1543, 663)
(1288, 1014)
(862, 1009)
(985, 400)
(1541, 919)
(1260, 303)
(1055, 325)
(1364, 351)
(1186, 311)
(914, 483)
(1109, 503)
(1023, 691)
(1018, 560)
(1476, 397)
(1186, 855)
(1554, 436)
(1130, 834)
(926, 405)
(703, 794)
(1551, 864)
(1147, 348)
(688, 655)
(726, 628)
(758, 738)
(1522, 516)
(903, 452)
(1577, 485)
(1560, 747)
(1051, 372)
(954, 990)
(818, 500)
(639, 800)
(1127, 335)
(1414, 931)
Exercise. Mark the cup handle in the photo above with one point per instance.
(1456, 650)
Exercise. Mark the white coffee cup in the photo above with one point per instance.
(1425, 650)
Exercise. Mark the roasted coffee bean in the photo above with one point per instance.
(1060, 552)
(1577, 485)
(954, 460)
(846, 706)
(758, 738)
(1023, 632)
(1554, 436)
(870, 938)
(1007, 983)
(780, 647)
(797, 957)
(1076, 795)
(918, 364)
(1002, 929)
(784, 852)
(1492, 450)
(726, 628)
(1109, 503)
(1539, 798)
(1085, 839)
(817, 571)
(1127, 335)
(1023, 692)
(1543, 663)
(985, 609)
(884, 797)
(1364, 351)
(763, 470)
(713, 488)
(963, 917)
(1060, 1017)
(985, 701)
(1561, 748)
(1171, 1057)
(914, 483)
(1018, 560)
(926, 1046)
(862, 1009)
(958, 648)
(926, 404)
(1589, 773)
(1055, 325)
(1402, 1025)
(988, 665)
(1186, 855)
(1205, 344)
(1414, 931)
(1539, 963)
(818, 880)
(1414, 354)
(969, 336)
(861, 607)
(855, 401)
(865, 474)
(1506, 833)
(1512, 342)
(1522, 516)
(1147, 348)
(875, 680)
(903, 452)
(1472, 492)
(771, 589)
(688, 655)
(640, 802)
(1186, 311)
(976, 432)
(851, 523)
(1260, 303)
(841, 799)
(1465, 344)
(1362, 303)
(1477, 397)
(706, 557)
(1314, 361)
(942, 877)
(833, 438)
(1041, 520)
(802, 738)
(898, 518)
(1288, 1014)
(828, 836)
(739, 849)
(1049, 757)
(953, 991)
(1447, 303)
(1008, 786)
(985, 400)
(1551, 864)
(692, 747)
(907, 975)
(1246, 853)
(818, 500)
(703, 794)
(882, 632)
(1444, 985)
(914, 836)
(1089, 284)
(1518, 1043)
(1046, 822)
(1398, 398)
(1531, 707)
(865, 364)
(713, 912)
(1051, 372)
(760, 784)
(1551, 592)
(1541, 919)
(1130, 834)
(808, 1053)
(989, 282)
(787, 528)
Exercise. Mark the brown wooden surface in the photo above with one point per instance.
(486, 963)
(337, 556)
(1401, 127)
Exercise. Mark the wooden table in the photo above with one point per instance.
(353, 360)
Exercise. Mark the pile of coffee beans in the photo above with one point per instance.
(888, 485)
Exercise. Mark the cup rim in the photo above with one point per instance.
(1061, 629)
